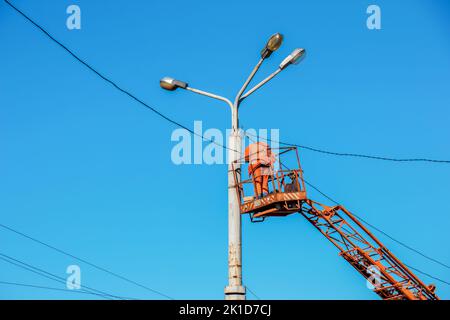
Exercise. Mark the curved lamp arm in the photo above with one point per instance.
(246, 83)
(211, 95)
(259, 85)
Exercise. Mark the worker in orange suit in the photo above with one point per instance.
(261, 160)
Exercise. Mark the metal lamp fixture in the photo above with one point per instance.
(293, 58)
(172, 84)
(272, 45)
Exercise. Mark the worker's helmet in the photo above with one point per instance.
(255, 148)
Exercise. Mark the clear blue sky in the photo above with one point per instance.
(87, 169)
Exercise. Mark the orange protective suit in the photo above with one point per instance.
(261, 161)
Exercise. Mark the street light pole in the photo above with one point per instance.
(235, 289)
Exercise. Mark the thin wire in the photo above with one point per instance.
(54, 277)
(84, 261)
(160, 114)
(258, 298)
(387, 235)
(154, 110)
(51, 276)
(428, 275)
(351, 154)
(44, 287)
(381, 231)
(40, 273)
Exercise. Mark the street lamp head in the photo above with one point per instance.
(171, 84)
(294, 58)
(272, 45)
(274, 42)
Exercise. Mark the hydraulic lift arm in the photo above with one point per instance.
(391, 279)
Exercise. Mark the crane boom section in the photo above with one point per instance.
(390, 278)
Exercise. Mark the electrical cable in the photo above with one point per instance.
(160, 114)
(350, 154)
(45, 287)
(52, 276)
(84, 261)
(389, 236)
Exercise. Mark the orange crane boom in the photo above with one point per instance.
(391, 279)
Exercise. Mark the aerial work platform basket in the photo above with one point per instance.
(286, 192)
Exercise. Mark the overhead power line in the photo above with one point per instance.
(54, 277)
(27, 285)
(84, 261)
(172, 121)
(428, 275)
(116, 86)
(389, 236)
(254, 294)
(381, 231)
(342, 154)
(49, 277)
